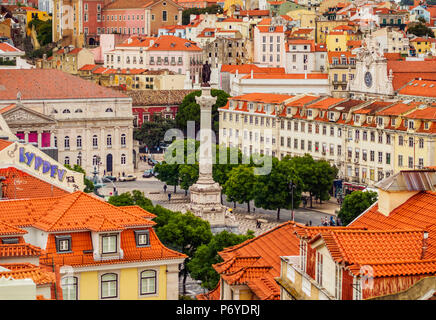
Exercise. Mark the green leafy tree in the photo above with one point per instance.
(189, 110)
(272, 191)
(152, 133)
(188, 175)
(135, 197)
(354, 204)
(168, 173)
(419, 29)
(210, 9)
(200, 267)
(240, 185)
(185, 233)
(324, 174)
(43, 30)
(89, 185)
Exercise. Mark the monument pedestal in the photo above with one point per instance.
(206, 193)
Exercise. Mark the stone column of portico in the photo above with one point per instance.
(206, 193)
(40, 139)
(26, 136)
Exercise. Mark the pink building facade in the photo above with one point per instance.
(269, 46)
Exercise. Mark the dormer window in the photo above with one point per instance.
(406, 124)
(380, 121)
(142, 238)
(309, 113)
(250, 106)
(288, 111)
(9, 240)
(411, 125)
(109, 243)
(426, 125)
(393, 122)
(63, 244)
(331, 116)
(344, 116)
(356, 118)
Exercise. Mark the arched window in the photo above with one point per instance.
(67, 160)
(148, 282)
(79, 160)
(79, 141)
(123, 140)
(78, 111)
(94, 141)
(109, 110)
(109, 285)
(123, 159)
(109, 140)
(67, 142)
(94, 160)
(69, 288)
(66, 111)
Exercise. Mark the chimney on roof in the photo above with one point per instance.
(424, 244)
(252, 73)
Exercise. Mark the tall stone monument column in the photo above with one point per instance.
(206, 193)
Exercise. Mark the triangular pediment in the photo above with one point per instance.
(22, 115)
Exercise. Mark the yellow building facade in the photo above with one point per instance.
(306, 17)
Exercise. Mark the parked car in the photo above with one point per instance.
(109, 178)
(129, 177)
(148, 173)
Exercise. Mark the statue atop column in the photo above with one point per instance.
(205, 75)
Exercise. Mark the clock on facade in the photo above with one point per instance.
(368, 79)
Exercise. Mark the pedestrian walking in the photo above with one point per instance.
(165, 188)
(169, 197)
(254, 210)
(332, 221)
(258, 224)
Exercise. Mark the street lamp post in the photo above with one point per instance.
(291, 186)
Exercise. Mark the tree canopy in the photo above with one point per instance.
(240, 185)
(356, 203)
(419, 29)
(43, 30)
(209, 9)
(189, 110)
(200, 266)
(152, 133)
(272, 191)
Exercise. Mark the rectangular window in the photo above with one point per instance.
(319, 268)
(63, 244)
(164, 15)
(109, 244)
(400, 160)
(142, 238)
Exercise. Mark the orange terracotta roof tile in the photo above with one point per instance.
(373, 107)
(172, 43)
(396, 109)
(258, 273)
(19, 250)
(266, 29)
(82, 250)
(21, 185)
(7, 229)
(428, 113)
(6, 47)
(372, 246)
(401, 268)
(4, 144)
(214, 294)
(28, 271)
(302, 101)
(416, 213)
(88, 67)
(263, 97)
(405, 71)
(422, 88)
(325, 103)
(7, 108)
(46, 84)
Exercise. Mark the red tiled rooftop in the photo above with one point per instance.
(7, 229)
(287, 76)
(263, 97)
(428, 113)
(19, 250)
(325, 103)
(416, 213)
(28, 271)
(422, 88)
(172, 43)
(47, 84)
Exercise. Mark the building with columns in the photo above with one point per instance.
(89, 125)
